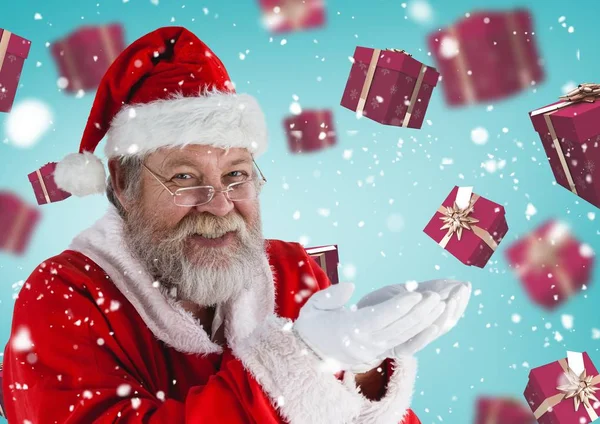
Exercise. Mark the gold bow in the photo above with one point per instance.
(580, 388)
(586, 92)
(455, 219)
(399, 51)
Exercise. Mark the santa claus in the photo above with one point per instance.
(173, 307)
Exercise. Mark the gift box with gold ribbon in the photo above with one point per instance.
(551, 263)
(468, 226)
(571, 137)
(18, 221)
(328, 258)
(502, 410)
(486, 56)
(84, 56)
(13, 52)
(389, 86)
(565, 391)
(44, 186)
(310, 131)
(280, 16)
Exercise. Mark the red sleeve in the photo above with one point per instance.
(61, 366)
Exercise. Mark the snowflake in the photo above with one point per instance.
(409, 79)
(417, 113)
(11, 57)
(353, 94)
(590, 166)
(400, 110)
(385, 71)
(374, 103)
(426, 87)
(362, 65)
(2, 95)
(393, 89)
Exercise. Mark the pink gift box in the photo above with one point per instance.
(310, 131)
(292, 15)
(328, 259)
(487, 56)
(84, 56)
(571, 138)
(44, 186)
(551, 263)
(13, 52)
(477, 244)
(502, 410)
(545, 397)
(18, 220)
(389, 87)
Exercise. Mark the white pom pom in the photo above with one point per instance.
(80, 174)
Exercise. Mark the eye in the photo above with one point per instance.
(240, 174)
(182, 177)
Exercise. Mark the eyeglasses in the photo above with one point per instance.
(201, 195)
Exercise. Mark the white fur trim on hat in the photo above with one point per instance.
(80, 174)
(216, 118)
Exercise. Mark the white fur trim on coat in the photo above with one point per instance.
(165, 317)
(216, 118)
(291, 374)
(392, 407)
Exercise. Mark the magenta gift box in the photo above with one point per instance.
(310, 131)
(13, 52)
(389, 87)
(502, 410)
(328, 258)
(293, 15)
(18, 221)
(44, 186)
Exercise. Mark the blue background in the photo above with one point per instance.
(472, 359)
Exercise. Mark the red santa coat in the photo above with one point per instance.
(94, 339)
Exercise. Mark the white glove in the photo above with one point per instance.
(454, 294)
(356, 338)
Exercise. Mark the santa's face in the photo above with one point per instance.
(206, 251)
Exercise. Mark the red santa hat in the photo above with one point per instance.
(166, 89)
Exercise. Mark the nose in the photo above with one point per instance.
(220, 205)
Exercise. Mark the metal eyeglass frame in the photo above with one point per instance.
(212, 188)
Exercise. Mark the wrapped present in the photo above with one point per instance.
(17, 222)
(487, 56)
(571, 137)
(44, 186)
(292, 15)
(84, 56)
(310, 131)
(562, 392)
(502, 410)
(13, 52)
(468, 226)
(389, 87)
(551, 263)
(327, 257)
(2, 413)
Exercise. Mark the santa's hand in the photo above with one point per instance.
(352, 339)
(456, 301)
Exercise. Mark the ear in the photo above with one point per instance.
(117, 181)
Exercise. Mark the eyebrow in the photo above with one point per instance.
(174, 162)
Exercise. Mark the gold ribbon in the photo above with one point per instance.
(108, 44)
(17, 229)
(456, 219)
(580, 388)
(368, 81)
(320, 257)
(559, 151)
(295, 11)
(43, 185)
(4, 40)
(72, 68)
(586, 92)
(517, 44)
(461, 65)
(413, 98)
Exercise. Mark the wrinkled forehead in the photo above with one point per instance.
(199, 157)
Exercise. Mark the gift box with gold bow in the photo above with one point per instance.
(84, 56)
(571, 137)
(18, 220)
(13, 52)
(327, 257)
(488, 55)
(310, 131)
(389, 87)
(565, 391)
(552, 264)
(502, 410)
(281, 16)
(468, 226)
